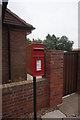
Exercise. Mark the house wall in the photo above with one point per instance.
(17, 54)
(5, 67)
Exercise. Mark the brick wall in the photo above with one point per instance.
(18, 97)
(54, 73)
(17, 53)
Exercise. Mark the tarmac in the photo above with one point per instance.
(68, 109)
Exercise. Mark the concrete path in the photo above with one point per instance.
(54, 114)
(70, 105)
(68, 109)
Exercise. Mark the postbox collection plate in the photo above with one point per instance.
(38, 65)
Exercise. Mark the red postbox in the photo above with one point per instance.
(35, 59)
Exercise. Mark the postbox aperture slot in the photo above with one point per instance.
(38, 49)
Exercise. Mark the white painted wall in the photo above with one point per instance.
(29, 77)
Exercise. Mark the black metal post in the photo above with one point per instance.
(34, 87)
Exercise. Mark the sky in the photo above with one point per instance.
(58, 17)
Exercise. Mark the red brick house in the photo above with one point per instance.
(14, 31)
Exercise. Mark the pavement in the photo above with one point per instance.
(55, 114)
(70, 105)
(68, 109)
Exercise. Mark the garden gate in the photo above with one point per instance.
(70, 72)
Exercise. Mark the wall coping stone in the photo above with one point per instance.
(15, 84)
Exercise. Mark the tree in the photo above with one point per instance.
(36, 41)
(28, 41)
(53, 42)
(50, 42)
(65, 44)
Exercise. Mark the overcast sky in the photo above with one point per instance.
(58, 17)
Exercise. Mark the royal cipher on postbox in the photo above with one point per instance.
(35, 59)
